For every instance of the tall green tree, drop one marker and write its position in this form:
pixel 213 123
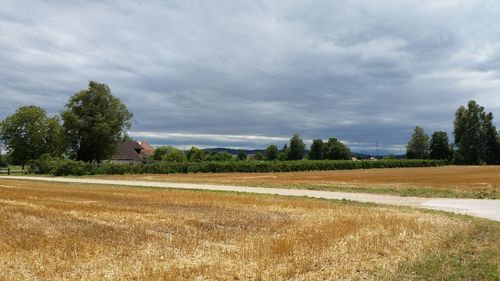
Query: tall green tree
pixel 30 133
pixel 336 150
pixel 475 136
pixel 272 152
pixel 418 145
pixel 316 152
pixel 439 146
pixel 297 148
pixel 94 122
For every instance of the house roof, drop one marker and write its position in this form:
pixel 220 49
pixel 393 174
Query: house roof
pixel 148 149
pixel 129 150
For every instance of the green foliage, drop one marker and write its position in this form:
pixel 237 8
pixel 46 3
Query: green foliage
pixel 195 155
pixel 3 161
pixel 336 150
pixel 418 146
pixel 241 156
pixel 94 122
pixel 475 136
pixel 219 156
pixel 70 167
pixel 29 133
pixel 297 148
pixel 283 155
pixel 169 154
pixel 259 156
pixel 439 146
pixel 272 152
pixel 316 152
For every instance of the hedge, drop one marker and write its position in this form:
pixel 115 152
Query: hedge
pixel 59 167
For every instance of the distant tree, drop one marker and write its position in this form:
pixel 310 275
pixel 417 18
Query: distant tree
pixel 316 152
pixel 439 146
pixel 297 148
pixel 160 152
pixel 258 156
pixel 29 133
pixel 475 136
pixel 195 155
pixel 242 155
pixel 94 122
pixel 220 156
pixel 492 146
pixel 418 145
pixel 283 155
pixel 272 152
pixel 169 154
pixel 336 150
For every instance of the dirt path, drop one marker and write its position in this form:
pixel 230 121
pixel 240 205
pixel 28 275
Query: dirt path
pixel 483 208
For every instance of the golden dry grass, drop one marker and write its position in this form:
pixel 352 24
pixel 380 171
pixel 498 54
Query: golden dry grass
pixel 68 232
pixel 448 181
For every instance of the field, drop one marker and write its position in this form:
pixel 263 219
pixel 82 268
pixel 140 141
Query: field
pixel 68 232
pixel 448 181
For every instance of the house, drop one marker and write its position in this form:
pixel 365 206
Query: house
pixel 132 151
pixel 147 149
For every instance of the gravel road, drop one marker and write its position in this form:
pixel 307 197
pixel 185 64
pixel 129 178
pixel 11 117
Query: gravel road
pixel 484 208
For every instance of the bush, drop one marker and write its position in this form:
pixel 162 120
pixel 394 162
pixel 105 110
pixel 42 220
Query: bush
pixel 60 167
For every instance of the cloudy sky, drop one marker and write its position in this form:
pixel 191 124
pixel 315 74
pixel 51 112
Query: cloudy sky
pixel 247 74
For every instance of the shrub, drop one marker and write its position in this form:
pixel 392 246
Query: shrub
pixel 60 167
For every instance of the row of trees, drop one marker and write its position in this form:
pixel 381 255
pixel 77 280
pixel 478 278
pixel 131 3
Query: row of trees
pixel 88 129
pixel 476 139
pixel 333 149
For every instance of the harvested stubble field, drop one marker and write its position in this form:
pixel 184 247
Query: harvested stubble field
pixel 447 181
pixel 70 231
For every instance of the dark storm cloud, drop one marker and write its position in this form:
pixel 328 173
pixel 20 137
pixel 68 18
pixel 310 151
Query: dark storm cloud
pixel 252 73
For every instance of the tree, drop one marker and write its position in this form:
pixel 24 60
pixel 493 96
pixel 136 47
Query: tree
pixel 169 154
pixel 418 145
pixel 195 154
pixel 297 148
pixel 258 156
pixel 283 155
pixel 316 152
pixel 439 147
pixel 242 155
pixel 272 152
pixel 492 146
pixel 475 136
pixel 336 150
pixel 94 122
pixel 220 156
pixel 29 133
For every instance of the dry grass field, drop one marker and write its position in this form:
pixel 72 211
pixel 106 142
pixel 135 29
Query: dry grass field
pixel 82 232
pixel 447 181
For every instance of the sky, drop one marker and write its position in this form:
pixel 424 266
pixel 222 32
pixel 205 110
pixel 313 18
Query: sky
pixel 247 74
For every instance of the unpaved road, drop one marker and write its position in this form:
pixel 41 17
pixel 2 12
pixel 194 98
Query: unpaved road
pixel 484 208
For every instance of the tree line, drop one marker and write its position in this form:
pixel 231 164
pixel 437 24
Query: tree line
pixel 333 149
pixel 476 139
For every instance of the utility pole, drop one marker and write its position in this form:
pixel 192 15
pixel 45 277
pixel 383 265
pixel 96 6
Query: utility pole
pixel 376 144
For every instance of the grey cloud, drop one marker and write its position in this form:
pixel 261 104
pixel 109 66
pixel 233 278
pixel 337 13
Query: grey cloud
pixel 363 71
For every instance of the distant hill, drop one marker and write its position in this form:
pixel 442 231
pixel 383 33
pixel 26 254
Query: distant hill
pixel 233 151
